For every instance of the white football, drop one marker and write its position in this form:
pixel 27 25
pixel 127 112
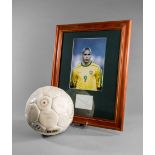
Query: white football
pixel 49 110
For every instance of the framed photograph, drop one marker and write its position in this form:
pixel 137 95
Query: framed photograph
pixel 90 63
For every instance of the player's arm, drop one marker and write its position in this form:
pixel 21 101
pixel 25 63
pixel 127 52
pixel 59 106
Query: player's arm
pixel 99 78
pixel 73 79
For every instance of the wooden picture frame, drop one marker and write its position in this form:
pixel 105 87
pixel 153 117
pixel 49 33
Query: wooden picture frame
pixel 123 30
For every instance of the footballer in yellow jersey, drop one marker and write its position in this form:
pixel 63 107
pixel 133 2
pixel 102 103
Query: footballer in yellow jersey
pixel 87 75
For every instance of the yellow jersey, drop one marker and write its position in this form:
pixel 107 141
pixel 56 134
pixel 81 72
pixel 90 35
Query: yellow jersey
pixel 88 77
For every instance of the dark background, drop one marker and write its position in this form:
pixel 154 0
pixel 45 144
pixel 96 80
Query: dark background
pixel 104 99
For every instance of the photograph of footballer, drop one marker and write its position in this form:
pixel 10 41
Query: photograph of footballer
pixel 87 67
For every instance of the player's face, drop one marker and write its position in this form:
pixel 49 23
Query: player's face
pixel 86 56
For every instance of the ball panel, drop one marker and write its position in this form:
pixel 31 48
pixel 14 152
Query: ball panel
pixel 64 121
pixel 60 104
pixel 48 119
pixel 32 113
pixel 44 103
